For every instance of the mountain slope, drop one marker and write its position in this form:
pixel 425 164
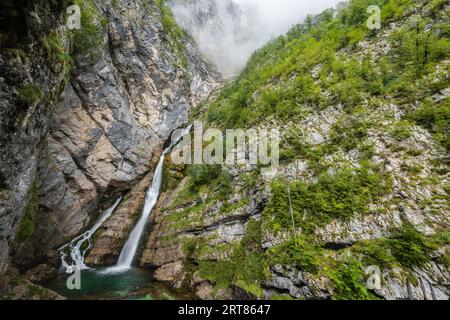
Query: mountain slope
pixel 364 175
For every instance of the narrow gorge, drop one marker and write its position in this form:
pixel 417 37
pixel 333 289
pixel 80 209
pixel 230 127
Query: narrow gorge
pixel 88 181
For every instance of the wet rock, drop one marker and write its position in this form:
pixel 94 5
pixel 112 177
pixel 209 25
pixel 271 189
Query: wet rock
pixel 110 238
pixel 42 273
pixel 14 286
pixel 205 291
pixel 173 272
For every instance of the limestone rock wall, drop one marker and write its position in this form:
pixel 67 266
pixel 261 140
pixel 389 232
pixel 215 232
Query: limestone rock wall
pixel 109 116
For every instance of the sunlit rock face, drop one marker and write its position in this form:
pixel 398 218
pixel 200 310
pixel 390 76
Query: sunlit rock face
pixel 222 30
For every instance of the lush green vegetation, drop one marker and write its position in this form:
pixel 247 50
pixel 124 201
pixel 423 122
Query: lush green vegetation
pixel 55 49
pixel 302 73
pixel 410 247
pixel 349 281
pixel 246 267
pixel 333 196
pixel 401 131
pixel 203 174
pixel 171 28
pixel 173 34
pixel 88 40
pixel 30 94
pixel 27 224
pixel 296 252
pixel 278 81
pixel 407 248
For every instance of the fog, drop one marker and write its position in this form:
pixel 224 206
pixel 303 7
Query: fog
pixel 277 16
pixel 227 32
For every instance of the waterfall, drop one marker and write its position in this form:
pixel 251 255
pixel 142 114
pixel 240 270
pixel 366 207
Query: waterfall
pixel 129 250
pixel 78 247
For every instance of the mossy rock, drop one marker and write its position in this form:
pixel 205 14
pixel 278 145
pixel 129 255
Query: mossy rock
pixel 30 94
pixel 28 221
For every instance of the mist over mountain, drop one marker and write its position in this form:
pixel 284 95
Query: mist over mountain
pixel 346 199
pixel 229 31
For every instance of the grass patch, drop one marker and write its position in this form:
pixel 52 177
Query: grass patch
pixel 334 196
pixel 349 281
pixel 30 94
pixel 54 47
pixel 28 221
pixel 88 40
pixel 402 131
pixel 295 252
pixel 246 267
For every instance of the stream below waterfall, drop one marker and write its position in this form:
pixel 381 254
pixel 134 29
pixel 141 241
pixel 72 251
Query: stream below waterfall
pixel 133 284
pixel 122 281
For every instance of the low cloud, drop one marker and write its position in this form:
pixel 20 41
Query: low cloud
pixel 229 31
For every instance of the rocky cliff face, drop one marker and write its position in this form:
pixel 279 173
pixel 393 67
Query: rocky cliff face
pixel 72 140
pixel 29 80
pixel 362 183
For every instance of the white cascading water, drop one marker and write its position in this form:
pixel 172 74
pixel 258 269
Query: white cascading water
pixel 129 250
pixel 75 248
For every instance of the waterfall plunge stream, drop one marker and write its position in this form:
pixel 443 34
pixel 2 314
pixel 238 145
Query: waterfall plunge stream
pixel 130 248
pixel 75 248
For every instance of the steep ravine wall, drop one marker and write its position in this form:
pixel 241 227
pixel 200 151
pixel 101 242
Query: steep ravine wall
pixel 368 182
pixel 29 81
pixel 72 140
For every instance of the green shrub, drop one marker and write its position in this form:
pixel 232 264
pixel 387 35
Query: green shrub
pixel 435 118
pixel 88 40
pixel 245 270
pixel 225 184
pixel 246 266
pixel 203 174
pixel 410 247
pixel 30 94
pixel 356 36
pixel 221 273
pixel 295 252
pixel 402 130
pixel 413 168
pixel 349 133
pixel 28 221
pixel 349 281
pixel 253 236
pixel 375 252
pixel 406 247
pixel 334 196
pixel 395 9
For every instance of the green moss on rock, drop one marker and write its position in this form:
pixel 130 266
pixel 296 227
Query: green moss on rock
pixel 30 94
pixel 28 221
